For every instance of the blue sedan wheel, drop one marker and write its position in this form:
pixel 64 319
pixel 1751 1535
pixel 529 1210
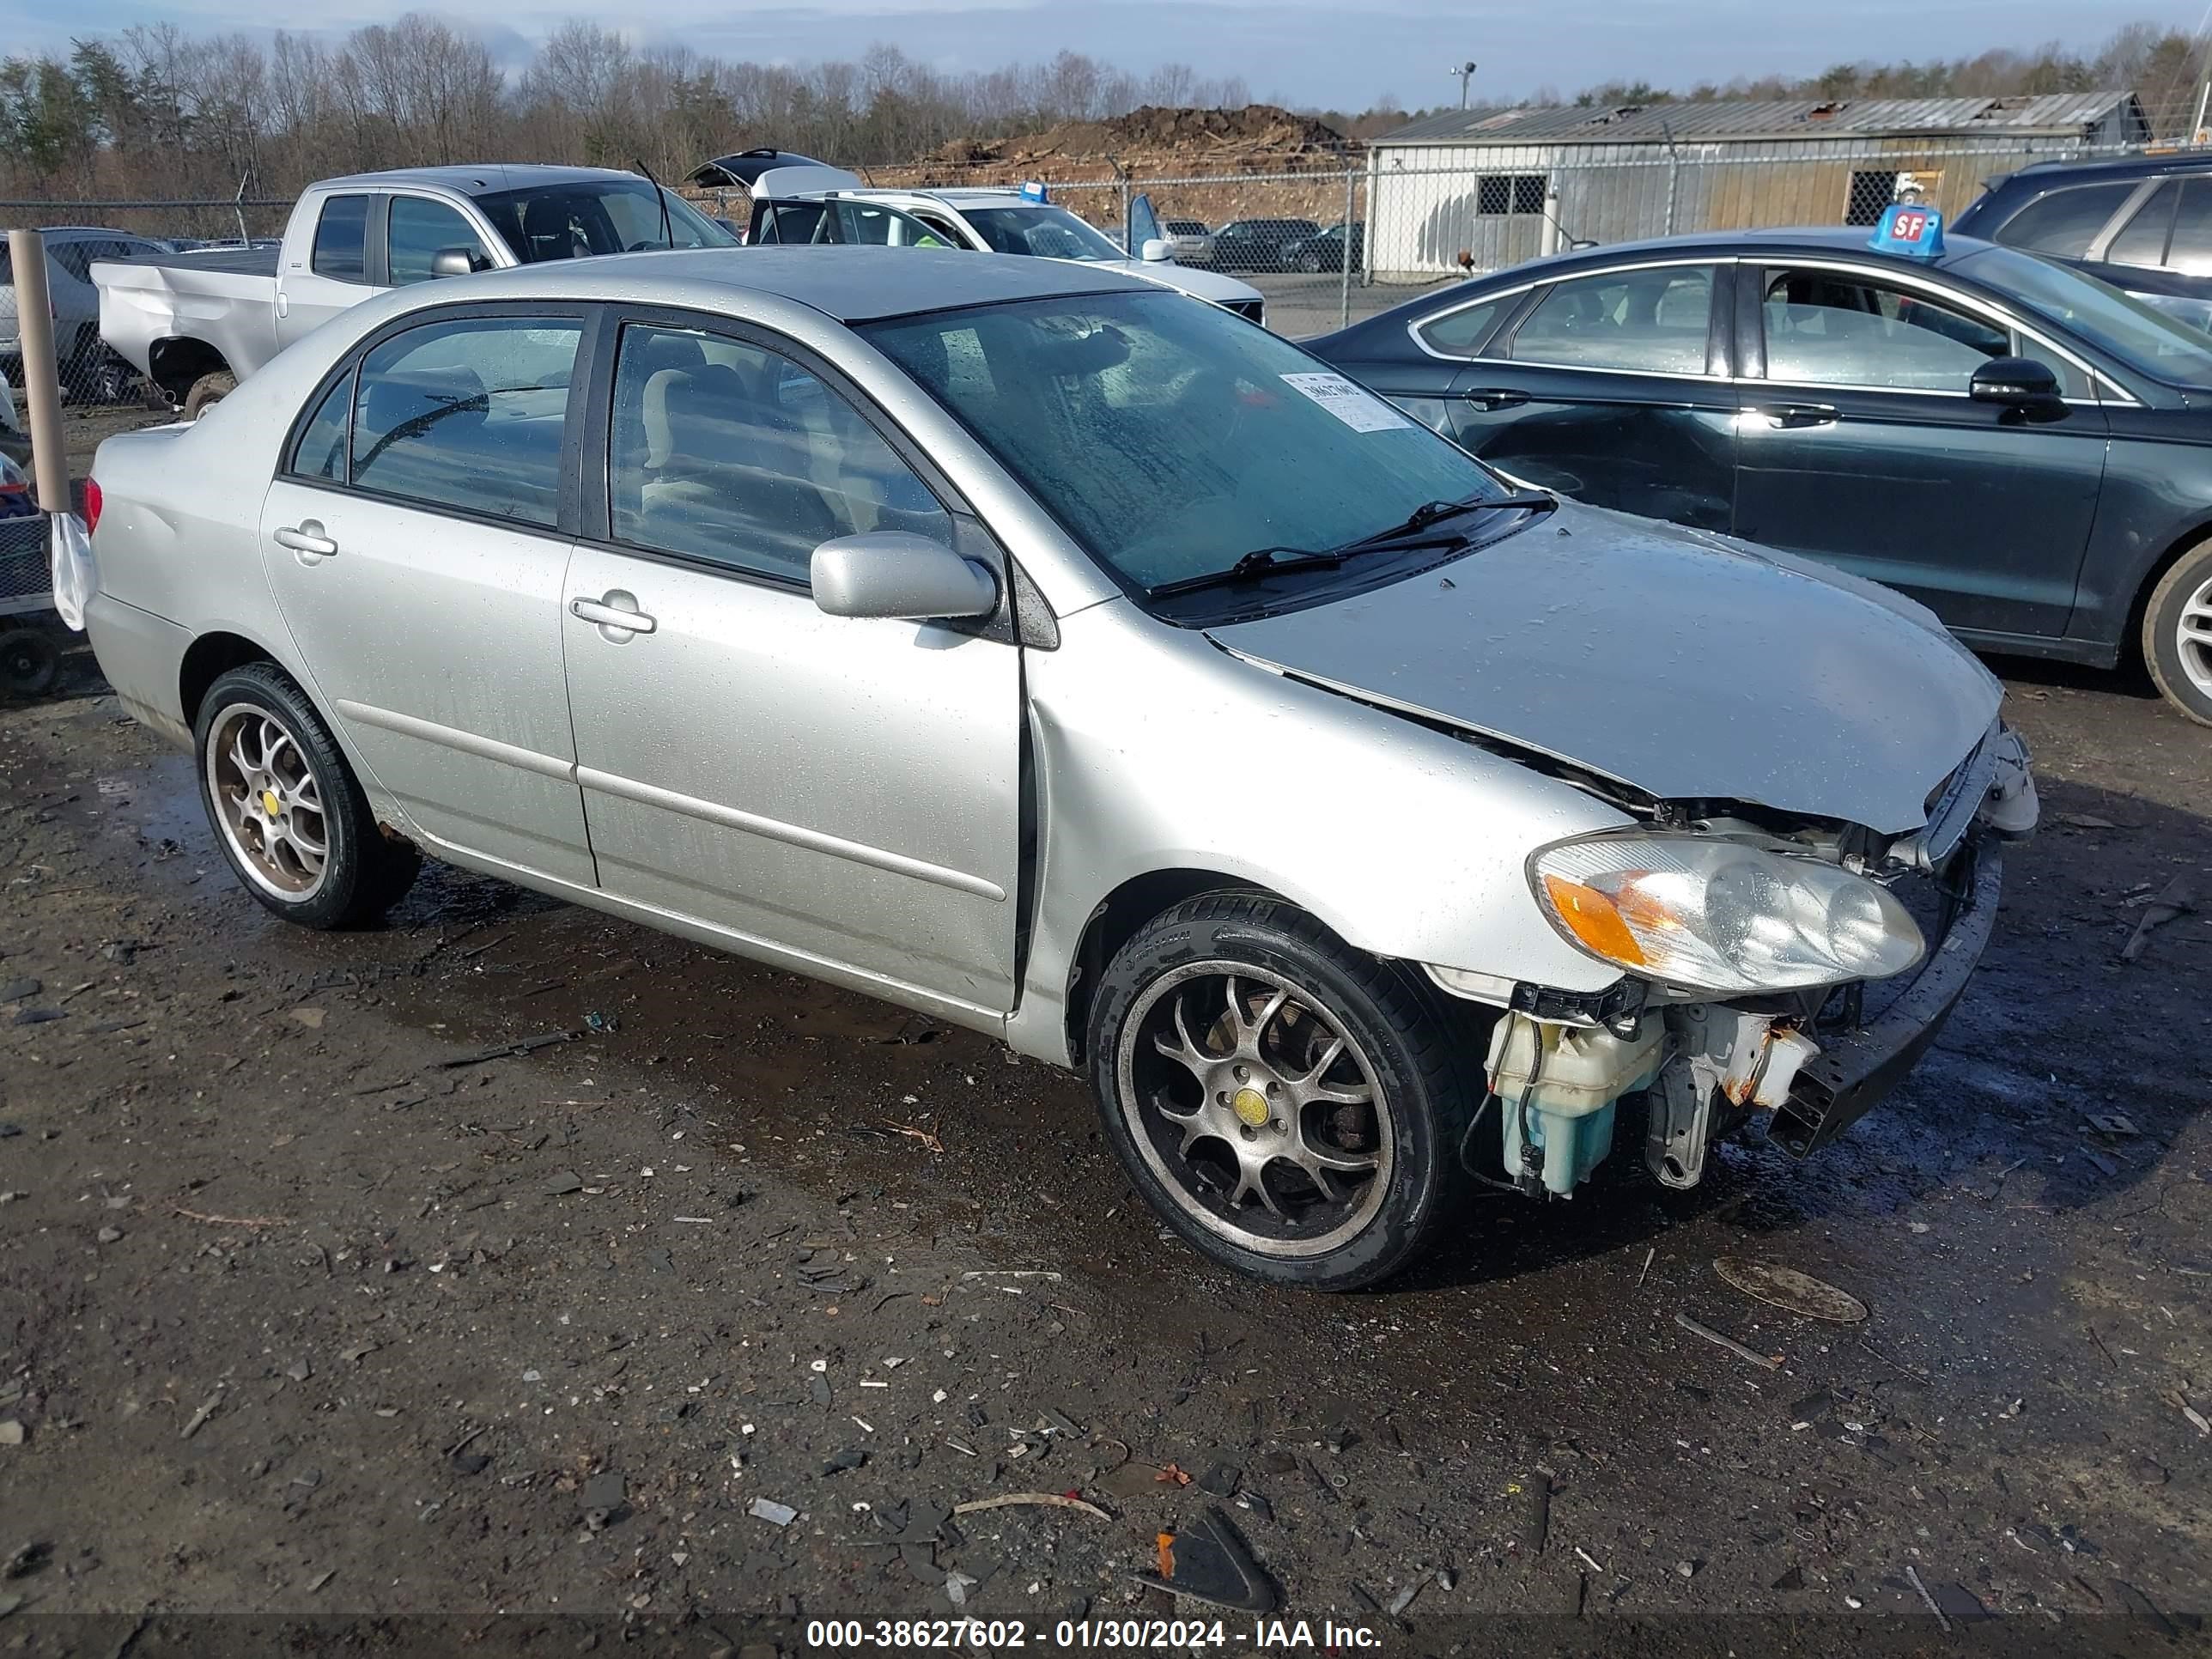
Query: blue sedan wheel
pixel 2176 636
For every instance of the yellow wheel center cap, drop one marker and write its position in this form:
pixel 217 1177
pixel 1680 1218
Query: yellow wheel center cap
pixel 270 804
pixel 1250 1107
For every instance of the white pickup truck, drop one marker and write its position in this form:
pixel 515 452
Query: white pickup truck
pixel 196 324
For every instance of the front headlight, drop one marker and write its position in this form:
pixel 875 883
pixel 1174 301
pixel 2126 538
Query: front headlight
pixel 1717 915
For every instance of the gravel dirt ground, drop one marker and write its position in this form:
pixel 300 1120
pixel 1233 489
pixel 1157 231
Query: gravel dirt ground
pixel 706 1320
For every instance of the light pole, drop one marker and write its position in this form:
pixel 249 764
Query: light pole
pixel 1466 73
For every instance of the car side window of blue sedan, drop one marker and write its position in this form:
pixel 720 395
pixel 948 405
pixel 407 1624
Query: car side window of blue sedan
pixel 1831 328
pixel 1653 321
pixel 723 451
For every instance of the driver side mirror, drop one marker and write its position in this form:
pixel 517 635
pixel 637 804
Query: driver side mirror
pixel 1155 249
pixel 897 574
pixel 452 262
pixel 2019 383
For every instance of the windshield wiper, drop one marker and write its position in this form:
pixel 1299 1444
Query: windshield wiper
pixel 1410 532
pixel 1260 562
pixel 1433 513
pixel 1407 534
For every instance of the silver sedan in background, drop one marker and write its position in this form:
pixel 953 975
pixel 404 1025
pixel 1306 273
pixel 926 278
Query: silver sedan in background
pixel 1025 645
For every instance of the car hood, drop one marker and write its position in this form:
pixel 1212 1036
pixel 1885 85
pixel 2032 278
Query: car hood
pixel 1201 285
pixel 1682 664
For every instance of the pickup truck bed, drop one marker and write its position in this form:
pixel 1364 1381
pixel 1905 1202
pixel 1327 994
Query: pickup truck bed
pixel 229 261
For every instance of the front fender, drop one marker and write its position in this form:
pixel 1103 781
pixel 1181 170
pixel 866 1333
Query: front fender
pixel 1153 750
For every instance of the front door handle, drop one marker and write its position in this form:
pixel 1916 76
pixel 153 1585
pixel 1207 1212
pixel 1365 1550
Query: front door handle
pixel 307 536
pixel 1488 398
pixel 1784 417
pixel 615 613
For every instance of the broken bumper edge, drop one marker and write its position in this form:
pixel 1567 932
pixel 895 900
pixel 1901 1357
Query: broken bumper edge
pixel 1854 1073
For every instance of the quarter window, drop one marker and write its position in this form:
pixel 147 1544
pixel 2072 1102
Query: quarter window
pixel 724 451
pixel 1825 328
pixel 2065 221
pixel 321 452
pixel 2190 250
pixel 468 415
pixel 421 230
pixel 1459 332
pixel 1652 322
pixel 342 240
pixel 2143 241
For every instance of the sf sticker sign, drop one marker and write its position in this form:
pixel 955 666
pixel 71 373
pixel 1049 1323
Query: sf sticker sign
pixel 1908 228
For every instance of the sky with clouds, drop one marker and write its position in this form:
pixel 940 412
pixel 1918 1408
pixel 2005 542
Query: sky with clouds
pixel 1344 54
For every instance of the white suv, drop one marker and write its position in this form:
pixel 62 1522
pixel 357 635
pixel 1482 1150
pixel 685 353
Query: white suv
pixel 827 204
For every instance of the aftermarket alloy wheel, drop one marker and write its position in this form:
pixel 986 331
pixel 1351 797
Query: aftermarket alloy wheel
pixel 286 809
pixel 2177 633
pixel 1290 1106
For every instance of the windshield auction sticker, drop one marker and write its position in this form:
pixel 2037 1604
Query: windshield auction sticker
pixel 1356 406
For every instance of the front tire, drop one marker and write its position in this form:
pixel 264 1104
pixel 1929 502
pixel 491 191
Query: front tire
pixel 2177 633
pixel 286 809
pixel 1292 1107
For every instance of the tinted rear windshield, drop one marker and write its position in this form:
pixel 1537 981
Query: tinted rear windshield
pixel 581 221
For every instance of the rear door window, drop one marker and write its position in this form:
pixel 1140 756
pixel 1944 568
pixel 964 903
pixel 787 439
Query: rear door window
pixel 342 240
pixel 469 414
pixel 1651 321
pixel 2065 221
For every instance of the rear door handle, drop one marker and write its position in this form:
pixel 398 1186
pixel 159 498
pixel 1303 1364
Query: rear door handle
pixel 1788 416
pixel 1495 396
pixel 613 614
pixel 307 536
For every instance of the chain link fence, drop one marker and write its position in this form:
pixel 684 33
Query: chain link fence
pixel 1326 238
pixel 101 393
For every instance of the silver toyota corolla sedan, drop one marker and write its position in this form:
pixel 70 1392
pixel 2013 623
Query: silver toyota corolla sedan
pixel 1030 646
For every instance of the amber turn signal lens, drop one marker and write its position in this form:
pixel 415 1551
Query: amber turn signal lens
pixel 1589 915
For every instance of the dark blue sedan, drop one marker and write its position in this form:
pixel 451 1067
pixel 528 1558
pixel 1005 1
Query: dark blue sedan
pixel 2022 448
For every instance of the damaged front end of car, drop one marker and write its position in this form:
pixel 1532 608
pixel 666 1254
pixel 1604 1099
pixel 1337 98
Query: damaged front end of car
pixel 1797 969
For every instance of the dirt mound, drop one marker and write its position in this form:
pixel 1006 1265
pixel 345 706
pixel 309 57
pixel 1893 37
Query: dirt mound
pixel 1261 126
pixel 1154 129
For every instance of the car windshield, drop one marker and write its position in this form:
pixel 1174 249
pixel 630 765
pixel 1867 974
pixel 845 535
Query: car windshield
pixel 1170 438
pixel 1050 233
pixel 579 221
pixel 2141 335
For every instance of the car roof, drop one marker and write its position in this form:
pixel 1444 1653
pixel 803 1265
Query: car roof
pixel 1787 239
pixel 484 179
pixel 851 284
pixel 2044 173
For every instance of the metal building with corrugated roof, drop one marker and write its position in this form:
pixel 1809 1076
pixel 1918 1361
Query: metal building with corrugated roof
pixel 1481 189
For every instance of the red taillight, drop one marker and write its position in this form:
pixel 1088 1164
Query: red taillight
pixel 91 505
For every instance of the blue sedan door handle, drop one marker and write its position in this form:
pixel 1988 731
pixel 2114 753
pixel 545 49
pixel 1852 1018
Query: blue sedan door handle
pixel 1787 417
pixel 1495 396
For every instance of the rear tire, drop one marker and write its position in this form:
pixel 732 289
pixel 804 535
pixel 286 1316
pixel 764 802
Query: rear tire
pixel 29 663
pixel 1292 1107
pixel 209 391
pixel 286 809
pixel 2177 633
